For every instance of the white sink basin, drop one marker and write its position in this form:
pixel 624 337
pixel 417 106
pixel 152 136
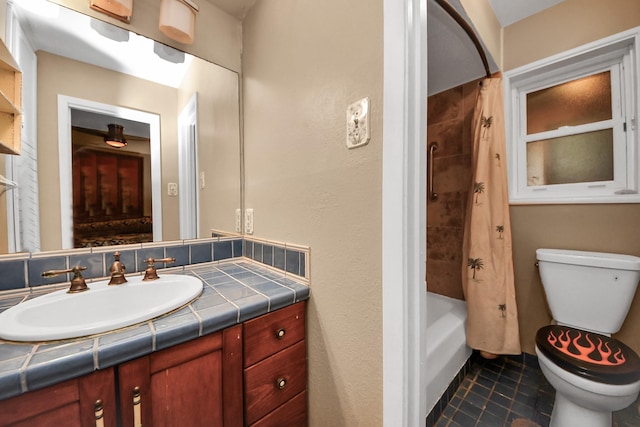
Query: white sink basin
pixel 103 308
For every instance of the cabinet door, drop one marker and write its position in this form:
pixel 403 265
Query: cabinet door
pixel 198 383
pixel 70 404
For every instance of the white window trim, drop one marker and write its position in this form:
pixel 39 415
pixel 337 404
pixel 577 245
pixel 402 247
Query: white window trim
pixel 587 59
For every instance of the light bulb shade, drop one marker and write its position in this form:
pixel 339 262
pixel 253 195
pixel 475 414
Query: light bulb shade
pixel 178 20
pixel 115 136
pixel 118 9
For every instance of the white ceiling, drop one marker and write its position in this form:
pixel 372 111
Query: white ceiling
pixel 510 11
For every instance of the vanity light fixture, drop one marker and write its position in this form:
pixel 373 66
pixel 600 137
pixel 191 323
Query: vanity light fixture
pixel 117 9
pixel 115 136
pixel 178 20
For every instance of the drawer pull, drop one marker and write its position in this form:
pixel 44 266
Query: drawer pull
pixel 98 411
pixel 280 333
pixel 281 383
pixel 137 403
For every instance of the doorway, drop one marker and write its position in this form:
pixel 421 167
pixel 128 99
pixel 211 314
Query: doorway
pixel 66 106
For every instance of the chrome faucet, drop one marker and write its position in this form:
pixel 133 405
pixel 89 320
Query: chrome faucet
pixel 150 273
pixel 77 282
pixel 117 271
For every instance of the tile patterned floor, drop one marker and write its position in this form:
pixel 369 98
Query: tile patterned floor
pixel 496 392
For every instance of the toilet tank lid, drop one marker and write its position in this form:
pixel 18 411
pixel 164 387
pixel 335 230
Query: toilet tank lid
pixel 593 259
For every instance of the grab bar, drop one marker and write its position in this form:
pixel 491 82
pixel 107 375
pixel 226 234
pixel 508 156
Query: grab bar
pixel 432 147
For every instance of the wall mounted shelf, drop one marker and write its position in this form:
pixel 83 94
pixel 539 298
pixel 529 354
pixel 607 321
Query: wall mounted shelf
pixel 10 103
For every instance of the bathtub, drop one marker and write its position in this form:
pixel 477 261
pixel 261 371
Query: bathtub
pixel 447 351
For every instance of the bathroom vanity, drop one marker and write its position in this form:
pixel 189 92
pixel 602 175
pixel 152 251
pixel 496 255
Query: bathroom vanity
pixel 252 372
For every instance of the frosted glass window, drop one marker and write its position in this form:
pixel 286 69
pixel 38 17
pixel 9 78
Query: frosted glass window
pixel 573 103
pixel 586 157
pixel 572 127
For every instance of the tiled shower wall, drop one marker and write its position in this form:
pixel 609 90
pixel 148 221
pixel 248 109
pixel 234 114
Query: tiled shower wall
pixel 449 116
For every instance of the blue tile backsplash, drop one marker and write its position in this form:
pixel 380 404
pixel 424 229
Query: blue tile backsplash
pixel 283 256
pixel 20 271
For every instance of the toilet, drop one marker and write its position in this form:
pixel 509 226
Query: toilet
pixel 589 294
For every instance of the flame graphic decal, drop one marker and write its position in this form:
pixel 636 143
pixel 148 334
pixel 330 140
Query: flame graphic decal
pixel 601 354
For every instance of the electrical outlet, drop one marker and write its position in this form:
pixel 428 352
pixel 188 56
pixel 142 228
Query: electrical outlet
pixel 358 123
pixel 201 180
pixel 248 221
pixel 238 220
pixel 172 189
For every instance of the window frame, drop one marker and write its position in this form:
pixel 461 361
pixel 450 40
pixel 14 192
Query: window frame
pixel 620 55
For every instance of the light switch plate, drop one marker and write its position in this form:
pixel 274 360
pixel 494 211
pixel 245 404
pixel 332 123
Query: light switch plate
pixel 238 220
pixel 358 123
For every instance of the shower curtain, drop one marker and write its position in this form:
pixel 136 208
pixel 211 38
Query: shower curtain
pixel 487 270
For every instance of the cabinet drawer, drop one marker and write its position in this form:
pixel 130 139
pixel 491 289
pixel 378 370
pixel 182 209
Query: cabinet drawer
pixel 291 414
pixel 270 383
pixel 268 334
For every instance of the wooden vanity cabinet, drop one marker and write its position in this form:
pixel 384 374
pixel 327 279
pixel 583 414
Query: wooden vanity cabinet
pixel 249 374
pixel 198 383
pixel 275 369
pixel 71 404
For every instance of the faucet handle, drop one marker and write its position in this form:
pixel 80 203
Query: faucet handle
pixel 117 270
pixel 150 273
pixel 78 283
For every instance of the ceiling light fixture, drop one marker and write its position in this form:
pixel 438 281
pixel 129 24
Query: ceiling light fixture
pixel 115 136
pixel 178 20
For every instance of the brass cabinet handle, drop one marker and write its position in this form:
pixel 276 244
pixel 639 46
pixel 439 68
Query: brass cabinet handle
pixel 281 383
pixel 137 407
pixel 98 411
pixel 280 333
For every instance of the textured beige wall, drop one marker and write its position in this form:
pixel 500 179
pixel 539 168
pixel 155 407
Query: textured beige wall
pixel 564 26
pixel 79 80
pixel 304 62
pixel 596 227
pixel 218 35
pixel 487 25
pixel 601 227
pixel 218 143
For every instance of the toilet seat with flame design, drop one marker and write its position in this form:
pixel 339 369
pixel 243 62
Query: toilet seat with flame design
pixel 592 356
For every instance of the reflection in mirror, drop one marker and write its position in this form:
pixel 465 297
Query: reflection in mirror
pixel 63 63
pixel 111 184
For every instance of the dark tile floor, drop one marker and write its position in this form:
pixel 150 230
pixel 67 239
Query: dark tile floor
pixel 496 392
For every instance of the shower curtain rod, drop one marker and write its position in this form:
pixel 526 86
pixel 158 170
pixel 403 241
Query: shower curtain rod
pixel 467 28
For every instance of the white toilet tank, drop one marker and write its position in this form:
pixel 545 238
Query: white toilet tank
pixel 589 290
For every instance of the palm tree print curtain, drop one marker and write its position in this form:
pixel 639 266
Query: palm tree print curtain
pixel 487 270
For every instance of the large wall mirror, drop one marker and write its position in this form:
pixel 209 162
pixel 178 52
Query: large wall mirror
pixel 179 175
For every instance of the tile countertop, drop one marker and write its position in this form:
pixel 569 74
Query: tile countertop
pixel 233 292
